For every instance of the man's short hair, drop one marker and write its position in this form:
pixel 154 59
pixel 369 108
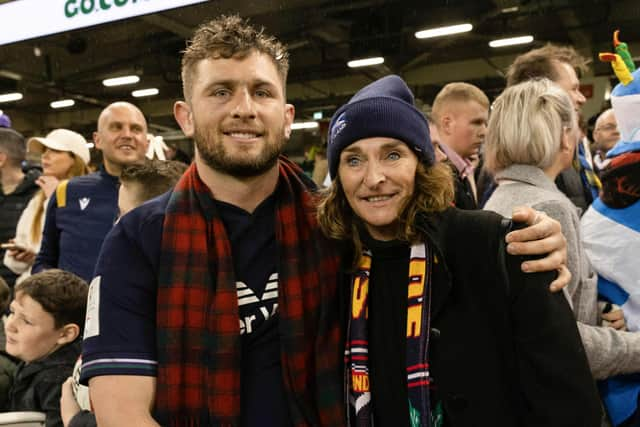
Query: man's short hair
pixel 457 92
pixel 60 293
pixel 12 143
pixel 540 63
pixel 526 125
pixel 154 176
pixel 230 37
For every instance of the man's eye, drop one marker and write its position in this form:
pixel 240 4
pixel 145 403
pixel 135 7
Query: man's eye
pixel 262 93
pixel 393 156
pixel 221 92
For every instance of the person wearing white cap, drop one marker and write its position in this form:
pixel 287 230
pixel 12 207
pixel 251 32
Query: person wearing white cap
pixel 79 216
pixel 64 155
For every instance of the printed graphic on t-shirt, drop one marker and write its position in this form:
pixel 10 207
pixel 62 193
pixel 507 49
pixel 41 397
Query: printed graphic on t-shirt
pixel 92 319
pixel 254 309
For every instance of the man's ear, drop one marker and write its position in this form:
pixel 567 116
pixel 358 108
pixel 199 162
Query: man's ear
pixel 68 333
pixel 289 115
pixel 184 117
pixel 96 140
pixel 446 124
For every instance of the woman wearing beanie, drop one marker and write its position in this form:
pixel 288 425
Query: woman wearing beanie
pixel 64 155
pixel 443 329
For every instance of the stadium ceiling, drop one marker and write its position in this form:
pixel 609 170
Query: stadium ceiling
pixel 322 35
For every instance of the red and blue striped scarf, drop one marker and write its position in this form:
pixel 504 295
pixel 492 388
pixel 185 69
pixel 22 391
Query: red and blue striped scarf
pixel 198 332
pixel 418 332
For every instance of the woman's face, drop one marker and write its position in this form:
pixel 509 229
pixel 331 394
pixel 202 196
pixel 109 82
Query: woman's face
pixel 56 163
pixel 378 177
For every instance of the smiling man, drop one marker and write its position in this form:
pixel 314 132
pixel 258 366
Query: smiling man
pixel 224 288
pixel 82 210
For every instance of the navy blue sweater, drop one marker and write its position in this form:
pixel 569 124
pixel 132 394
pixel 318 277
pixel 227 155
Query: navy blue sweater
pixel 73 234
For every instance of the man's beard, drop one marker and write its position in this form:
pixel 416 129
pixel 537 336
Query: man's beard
pixel 212 151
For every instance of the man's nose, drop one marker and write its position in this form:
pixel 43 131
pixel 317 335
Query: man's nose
pixel 244 105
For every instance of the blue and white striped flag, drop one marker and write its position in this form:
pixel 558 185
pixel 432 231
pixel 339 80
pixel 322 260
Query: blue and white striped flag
pixel 611 239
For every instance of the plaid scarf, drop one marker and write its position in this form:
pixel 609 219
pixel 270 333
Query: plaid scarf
pixel 198 333
pixel 418 333
pixel 621 180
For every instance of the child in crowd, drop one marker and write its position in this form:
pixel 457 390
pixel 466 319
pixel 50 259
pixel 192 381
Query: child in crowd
pixel 43 331
pixel 144 181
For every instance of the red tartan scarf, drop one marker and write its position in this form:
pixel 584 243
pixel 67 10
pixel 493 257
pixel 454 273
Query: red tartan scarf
pixel 198 332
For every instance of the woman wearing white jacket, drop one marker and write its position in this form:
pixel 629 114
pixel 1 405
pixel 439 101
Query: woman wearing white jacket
pixel 64 155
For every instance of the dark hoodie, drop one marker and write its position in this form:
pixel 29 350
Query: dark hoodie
pixel 11 207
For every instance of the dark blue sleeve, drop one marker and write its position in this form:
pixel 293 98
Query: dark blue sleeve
pixel 49 248
pixel 119 337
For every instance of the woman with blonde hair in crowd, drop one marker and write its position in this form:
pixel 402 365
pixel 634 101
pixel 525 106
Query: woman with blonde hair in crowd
pixel 64 155
pixel 442 326
pixel 531 138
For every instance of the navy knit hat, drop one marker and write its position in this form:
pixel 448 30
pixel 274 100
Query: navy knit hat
pixel 384 108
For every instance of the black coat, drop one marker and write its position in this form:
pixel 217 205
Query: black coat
pixel 505 351
pixel 37 385
pixel 464 198
pixel 11 207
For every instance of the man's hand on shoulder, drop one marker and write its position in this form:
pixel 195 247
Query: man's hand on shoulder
pixel 542 236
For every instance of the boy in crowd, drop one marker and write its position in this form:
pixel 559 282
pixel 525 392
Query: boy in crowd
pixel 43 329
pixel 144 181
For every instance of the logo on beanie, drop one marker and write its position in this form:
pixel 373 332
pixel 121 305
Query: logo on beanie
pixel 340 124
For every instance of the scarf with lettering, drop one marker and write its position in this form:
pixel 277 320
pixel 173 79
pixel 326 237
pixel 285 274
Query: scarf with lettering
pixel 198 332
pixel 418 331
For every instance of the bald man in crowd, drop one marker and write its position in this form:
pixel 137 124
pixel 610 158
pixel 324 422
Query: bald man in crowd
pixel 83 210
pixel 605 136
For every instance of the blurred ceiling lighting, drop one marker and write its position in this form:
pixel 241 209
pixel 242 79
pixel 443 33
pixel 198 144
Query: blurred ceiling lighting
pixel 8 97
pixel 365 62
pixel 63 103
pixel 145 92
pixel 118 81
pixel 511 41
pixel 10 75
pixel 510 9
pixel 304 125
pixel 444 31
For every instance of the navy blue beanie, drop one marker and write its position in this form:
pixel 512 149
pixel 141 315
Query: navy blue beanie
pixel 383 108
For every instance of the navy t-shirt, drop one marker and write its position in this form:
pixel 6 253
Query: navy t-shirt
pixel 254 252
pixel 121 310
